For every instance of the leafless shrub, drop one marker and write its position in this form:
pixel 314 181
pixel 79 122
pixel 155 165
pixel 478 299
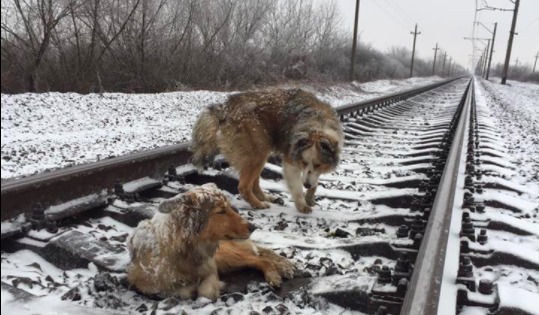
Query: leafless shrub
pixel 163 45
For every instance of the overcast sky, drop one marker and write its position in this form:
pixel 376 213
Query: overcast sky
pixel 384 23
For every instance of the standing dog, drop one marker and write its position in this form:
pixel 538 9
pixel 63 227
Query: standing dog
pixel 305 131
pixel 181 249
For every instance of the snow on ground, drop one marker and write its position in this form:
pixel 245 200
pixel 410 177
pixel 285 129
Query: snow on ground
pixel 54 130
pixel 515 109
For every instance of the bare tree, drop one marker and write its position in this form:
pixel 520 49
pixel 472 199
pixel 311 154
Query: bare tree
pixel 158 45
pixel 36 20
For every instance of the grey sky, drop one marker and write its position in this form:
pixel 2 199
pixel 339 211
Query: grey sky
pixel 384 23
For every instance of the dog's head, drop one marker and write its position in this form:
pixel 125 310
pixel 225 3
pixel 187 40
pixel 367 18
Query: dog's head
pixel 204 214
pixel 315 153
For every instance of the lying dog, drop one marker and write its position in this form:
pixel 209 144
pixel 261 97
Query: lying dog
pixel 306 132
pixel 181 249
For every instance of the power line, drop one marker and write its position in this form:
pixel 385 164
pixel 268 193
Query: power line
pixel 400 12
pixel 528 25
pixel 403 11
pixel 391 15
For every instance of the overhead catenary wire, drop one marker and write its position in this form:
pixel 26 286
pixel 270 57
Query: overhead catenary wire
pixel 393 17
pixel 400 11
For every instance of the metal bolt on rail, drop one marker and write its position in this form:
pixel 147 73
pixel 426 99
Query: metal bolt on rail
pixel 402 286
pixel 384 275
pixel 417 240
pixel 467 229
pixel 464 247
pixel 482 237
pixel 38 216
pixel 485 286
pixel 403 231
pixel 465 273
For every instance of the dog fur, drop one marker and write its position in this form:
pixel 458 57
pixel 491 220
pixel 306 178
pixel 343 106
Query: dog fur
pixel 181 249
pixel 305 131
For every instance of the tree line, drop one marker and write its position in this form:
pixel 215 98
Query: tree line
pixel 164 45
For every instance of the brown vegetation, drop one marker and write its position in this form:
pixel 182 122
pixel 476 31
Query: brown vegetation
pixel 163 45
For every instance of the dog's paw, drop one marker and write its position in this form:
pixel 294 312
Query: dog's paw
pixel 286 269
pixel 310 201
pixel 273 278
pixel 261 205
pixel 186 292
pixel 212 292
pixel 210 287
pixel 305 209
pixel 277 200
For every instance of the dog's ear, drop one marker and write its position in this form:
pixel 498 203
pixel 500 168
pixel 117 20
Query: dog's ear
pixel 300 144
pixel 328 152
pixel 167 206
pixel 192 220
pixel 191 209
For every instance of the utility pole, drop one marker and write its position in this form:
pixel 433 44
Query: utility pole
pixel 491 49
pixel 415 33
pixel 510 44
pixel 478 67
pixel 353 60
pixel 449 66
pixel 535 64
pixel 443 65
pixel 434 62
pixel 486 59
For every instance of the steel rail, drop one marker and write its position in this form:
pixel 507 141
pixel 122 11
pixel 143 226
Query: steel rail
pixel 59 186
pixel 425 284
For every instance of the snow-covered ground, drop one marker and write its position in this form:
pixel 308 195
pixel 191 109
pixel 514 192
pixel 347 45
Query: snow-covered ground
pixel 514 110
pixel 508 117
pixel 55 130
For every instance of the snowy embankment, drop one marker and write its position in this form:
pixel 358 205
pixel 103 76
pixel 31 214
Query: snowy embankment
pixel 54 130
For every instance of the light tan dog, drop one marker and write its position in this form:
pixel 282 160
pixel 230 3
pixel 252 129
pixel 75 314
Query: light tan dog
pixel 174 253
pixel 305 131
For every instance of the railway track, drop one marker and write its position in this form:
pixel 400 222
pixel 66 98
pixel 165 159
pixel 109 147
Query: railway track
pixel 421 217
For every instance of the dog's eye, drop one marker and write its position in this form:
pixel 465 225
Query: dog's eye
pixel 303 143
pixel 222 211
pixel 325 146
pixel 317 166
pixel 304 163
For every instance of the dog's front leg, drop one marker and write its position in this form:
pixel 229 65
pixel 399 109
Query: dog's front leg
pixel 292 176
pixel 210 287
pixel 309 196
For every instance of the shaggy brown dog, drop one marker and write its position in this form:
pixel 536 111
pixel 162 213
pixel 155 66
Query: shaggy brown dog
pixel 173 253
pixel 305 131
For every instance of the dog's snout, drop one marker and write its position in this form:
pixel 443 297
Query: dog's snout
pixel 307 185
pixel 252 227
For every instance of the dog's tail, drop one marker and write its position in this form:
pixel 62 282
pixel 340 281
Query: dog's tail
pixel 204 141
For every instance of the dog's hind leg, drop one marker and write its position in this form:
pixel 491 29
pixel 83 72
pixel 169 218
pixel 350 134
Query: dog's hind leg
pixel 248 176
pixel 261 195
